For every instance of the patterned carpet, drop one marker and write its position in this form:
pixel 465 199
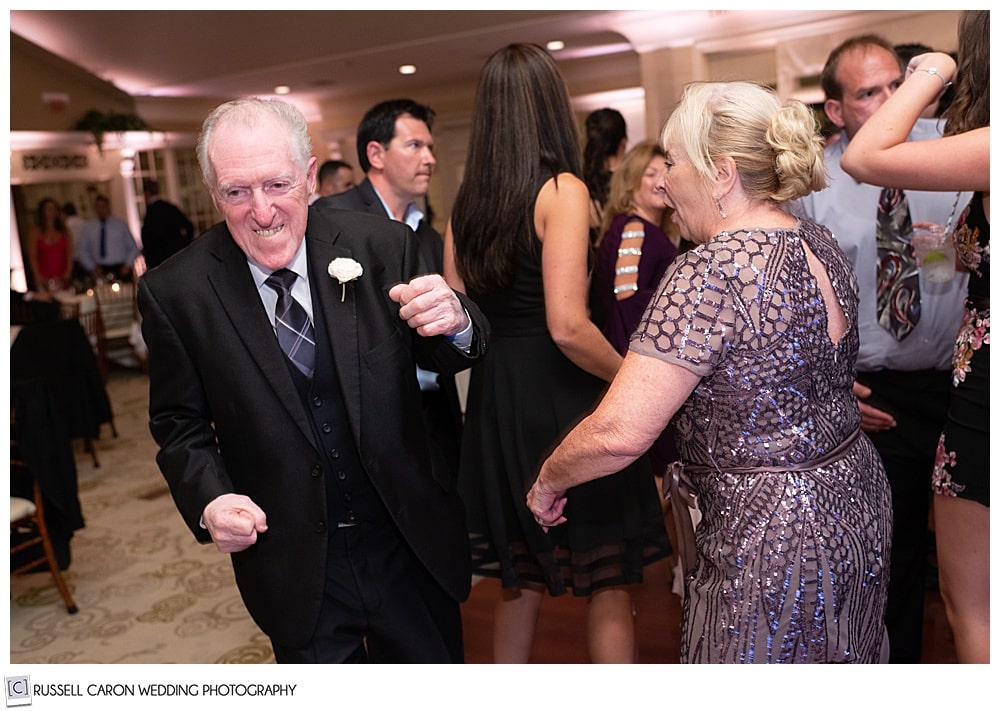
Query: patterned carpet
pixel 147 591
pixel 149 594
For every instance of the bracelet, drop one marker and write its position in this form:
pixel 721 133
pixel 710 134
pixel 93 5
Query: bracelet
pixel 935 72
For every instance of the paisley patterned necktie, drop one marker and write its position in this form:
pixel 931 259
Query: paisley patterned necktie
pixel 897 284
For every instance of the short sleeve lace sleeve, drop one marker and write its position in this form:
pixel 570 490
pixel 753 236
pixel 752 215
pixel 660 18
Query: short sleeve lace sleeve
pixel 691 317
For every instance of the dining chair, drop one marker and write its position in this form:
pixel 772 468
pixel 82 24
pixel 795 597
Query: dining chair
pixel 29 531
pixel 117 313
pixel 89 318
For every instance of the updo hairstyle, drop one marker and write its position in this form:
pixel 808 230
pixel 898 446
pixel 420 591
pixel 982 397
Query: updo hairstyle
pixel 777 148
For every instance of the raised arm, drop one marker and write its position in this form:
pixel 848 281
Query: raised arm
pixel 879 153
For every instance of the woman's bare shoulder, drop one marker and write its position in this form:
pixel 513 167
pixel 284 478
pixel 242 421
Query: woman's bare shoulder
pixel 564 186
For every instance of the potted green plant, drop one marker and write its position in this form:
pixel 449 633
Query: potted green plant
pixel 98 123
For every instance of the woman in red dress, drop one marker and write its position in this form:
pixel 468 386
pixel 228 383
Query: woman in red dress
pixel 50 249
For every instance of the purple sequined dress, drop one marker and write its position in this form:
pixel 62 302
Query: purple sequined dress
pixel 792 563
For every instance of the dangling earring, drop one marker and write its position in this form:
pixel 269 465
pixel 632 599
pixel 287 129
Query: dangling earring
pixel 718 204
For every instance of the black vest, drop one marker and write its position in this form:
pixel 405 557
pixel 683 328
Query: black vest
pixel 350 495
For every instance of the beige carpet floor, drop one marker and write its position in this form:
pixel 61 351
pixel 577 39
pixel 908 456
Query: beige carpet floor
pixel 147 591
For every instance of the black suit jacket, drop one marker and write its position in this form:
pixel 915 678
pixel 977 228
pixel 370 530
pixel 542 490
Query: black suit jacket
pixel 444 416
pixel 363 198
pixel 226 414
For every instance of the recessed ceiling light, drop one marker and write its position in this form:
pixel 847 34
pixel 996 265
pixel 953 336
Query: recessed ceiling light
pixel 555 45
pixel 407 69
pixel 283 89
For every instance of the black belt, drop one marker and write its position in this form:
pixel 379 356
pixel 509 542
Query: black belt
pixel 684 497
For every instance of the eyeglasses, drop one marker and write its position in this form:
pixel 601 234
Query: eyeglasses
pixel 240 194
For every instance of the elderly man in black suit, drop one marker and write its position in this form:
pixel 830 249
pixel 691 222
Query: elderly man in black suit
pixel 284 399
pixel 396 152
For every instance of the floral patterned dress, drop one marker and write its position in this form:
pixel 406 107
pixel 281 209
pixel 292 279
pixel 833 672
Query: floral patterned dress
pixel 962 465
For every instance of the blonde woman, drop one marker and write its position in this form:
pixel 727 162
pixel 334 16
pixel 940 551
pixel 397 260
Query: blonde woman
pixel 751 340
pixel 633 253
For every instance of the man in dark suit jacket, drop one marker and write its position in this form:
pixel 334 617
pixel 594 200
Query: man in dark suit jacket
pixel 314 473
pixel 165 229
pixel 395 150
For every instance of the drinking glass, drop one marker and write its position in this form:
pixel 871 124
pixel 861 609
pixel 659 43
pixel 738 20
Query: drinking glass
pixel 934 251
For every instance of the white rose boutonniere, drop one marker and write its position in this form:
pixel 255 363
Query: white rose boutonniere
pixel 344 269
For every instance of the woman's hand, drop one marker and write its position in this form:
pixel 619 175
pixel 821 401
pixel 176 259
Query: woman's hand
pixel 547 506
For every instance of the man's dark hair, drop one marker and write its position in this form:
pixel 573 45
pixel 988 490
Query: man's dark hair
pixel 379 124
pixel 330 168
pixel 908 51
pixel 828 78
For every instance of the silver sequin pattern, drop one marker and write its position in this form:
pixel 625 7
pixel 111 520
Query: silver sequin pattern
pixel 792 566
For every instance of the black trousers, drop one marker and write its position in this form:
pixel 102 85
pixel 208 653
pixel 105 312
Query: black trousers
pixel 919 401
pixel 380 606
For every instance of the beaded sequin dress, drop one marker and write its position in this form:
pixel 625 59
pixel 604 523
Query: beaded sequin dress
pixel 791 562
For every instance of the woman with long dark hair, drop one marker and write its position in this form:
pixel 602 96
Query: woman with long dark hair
pixel 518 244
pixel 607 138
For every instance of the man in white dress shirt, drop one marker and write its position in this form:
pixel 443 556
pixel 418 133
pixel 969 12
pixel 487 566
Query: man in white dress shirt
pixel 902 381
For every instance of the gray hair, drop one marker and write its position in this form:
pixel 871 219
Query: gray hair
pixel 250 111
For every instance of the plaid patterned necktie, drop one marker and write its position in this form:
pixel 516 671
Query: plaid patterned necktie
pixel 292 324
pixel 897 282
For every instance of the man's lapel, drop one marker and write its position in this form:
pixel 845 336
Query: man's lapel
pixel 370 198
pixel 337 307
pixel 238 296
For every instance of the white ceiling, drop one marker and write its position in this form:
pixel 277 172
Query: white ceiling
pixel 326 54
